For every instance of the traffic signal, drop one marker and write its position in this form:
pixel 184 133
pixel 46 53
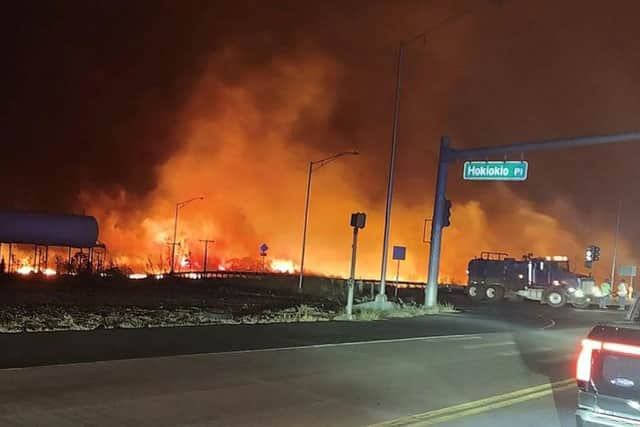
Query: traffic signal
pixel 589 254
pixel 596 253
pixel 446 220
pixel 358 219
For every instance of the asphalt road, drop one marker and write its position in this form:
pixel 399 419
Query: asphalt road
pixel 502 365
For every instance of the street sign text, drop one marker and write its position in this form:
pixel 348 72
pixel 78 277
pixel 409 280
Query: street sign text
pixel 495 171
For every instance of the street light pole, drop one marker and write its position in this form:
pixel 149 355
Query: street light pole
pixel 392 166
pixel 314 165
pixel 179 206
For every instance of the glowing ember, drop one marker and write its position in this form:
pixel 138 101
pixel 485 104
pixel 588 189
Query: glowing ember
pixel 283 266
pixel 25 270
pixel 49 272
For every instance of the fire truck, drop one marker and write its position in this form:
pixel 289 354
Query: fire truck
pixel 494 275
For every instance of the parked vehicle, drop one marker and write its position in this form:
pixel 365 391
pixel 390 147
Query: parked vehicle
pixel 608 374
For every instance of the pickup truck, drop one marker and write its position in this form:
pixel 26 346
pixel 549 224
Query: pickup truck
pixel 608 374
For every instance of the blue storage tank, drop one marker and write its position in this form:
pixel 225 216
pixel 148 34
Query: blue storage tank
pixel 76 231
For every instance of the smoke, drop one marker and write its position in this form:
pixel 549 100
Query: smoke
pixel 231 102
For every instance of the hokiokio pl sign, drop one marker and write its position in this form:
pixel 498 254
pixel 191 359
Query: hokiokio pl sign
pixel 495 171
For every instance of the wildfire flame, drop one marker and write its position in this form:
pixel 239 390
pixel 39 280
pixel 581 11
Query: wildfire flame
pixel 283 266
pixel 26 270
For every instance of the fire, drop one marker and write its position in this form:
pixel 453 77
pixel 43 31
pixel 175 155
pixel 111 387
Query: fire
pixel 25 270
pixel 283 266
pixel 240 147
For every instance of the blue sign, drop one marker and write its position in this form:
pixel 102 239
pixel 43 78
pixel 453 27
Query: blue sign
pixel 399 252
pixel 263 249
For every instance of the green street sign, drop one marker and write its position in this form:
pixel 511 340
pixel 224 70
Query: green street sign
pixel 495 171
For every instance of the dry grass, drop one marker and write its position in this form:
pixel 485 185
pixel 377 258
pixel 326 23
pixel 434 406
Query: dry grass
pixel 399 311
pixel 72 318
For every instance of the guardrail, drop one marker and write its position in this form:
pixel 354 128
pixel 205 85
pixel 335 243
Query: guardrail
pixel 258 275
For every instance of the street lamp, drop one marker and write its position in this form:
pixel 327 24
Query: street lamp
pixel 179 206
pixel 392 166
pixel 314 165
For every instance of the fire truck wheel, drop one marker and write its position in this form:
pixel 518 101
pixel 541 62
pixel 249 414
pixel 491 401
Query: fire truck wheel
pixel 494 293
pixel 475 292
pixel 555 297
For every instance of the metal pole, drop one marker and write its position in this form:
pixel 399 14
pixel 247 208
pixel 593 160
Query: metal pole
pixel 392 168
pixel 304 225
pixel 397 278
pixel 550 144
pixel 352 274
pixel 615 242
pixel 206 253
pixel 206 250
pixel 431 290
pixel 173 243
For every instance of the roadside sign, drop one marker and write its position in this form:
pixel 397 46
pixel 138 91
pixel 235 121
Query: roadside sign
pixel 263 249
pixel 627 271
pixel 399 252
pixel 495 171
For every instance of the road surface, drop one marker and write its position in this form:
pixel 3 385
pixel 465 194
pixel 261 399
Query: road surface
pixel 500 365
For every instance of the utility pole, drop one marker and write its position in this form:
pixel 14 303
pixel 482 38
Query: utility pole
pixel 206 253
pixel 449 155
pixel 615 242
pixel 382 296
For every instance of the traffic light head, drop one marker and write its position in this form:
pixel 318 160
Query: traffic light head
pixel 358 219
pixel 596 253
pixel 446 220
pixel 589 254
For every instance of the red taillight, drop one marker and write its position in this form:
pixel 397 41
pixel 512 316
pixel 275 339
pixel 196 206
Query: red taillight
pixel 583 370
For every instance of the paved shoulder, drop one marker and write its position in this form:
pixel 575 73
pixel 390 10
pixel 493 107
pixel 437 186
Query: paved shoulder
pixel 34 349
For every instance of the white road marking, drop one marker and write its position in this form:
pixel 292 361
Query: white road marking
pixel 518 353
pixel 458 337
pixel 353 343
pixel 551 324
pixel 487 345
pixel 467 338
pixel 508 353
